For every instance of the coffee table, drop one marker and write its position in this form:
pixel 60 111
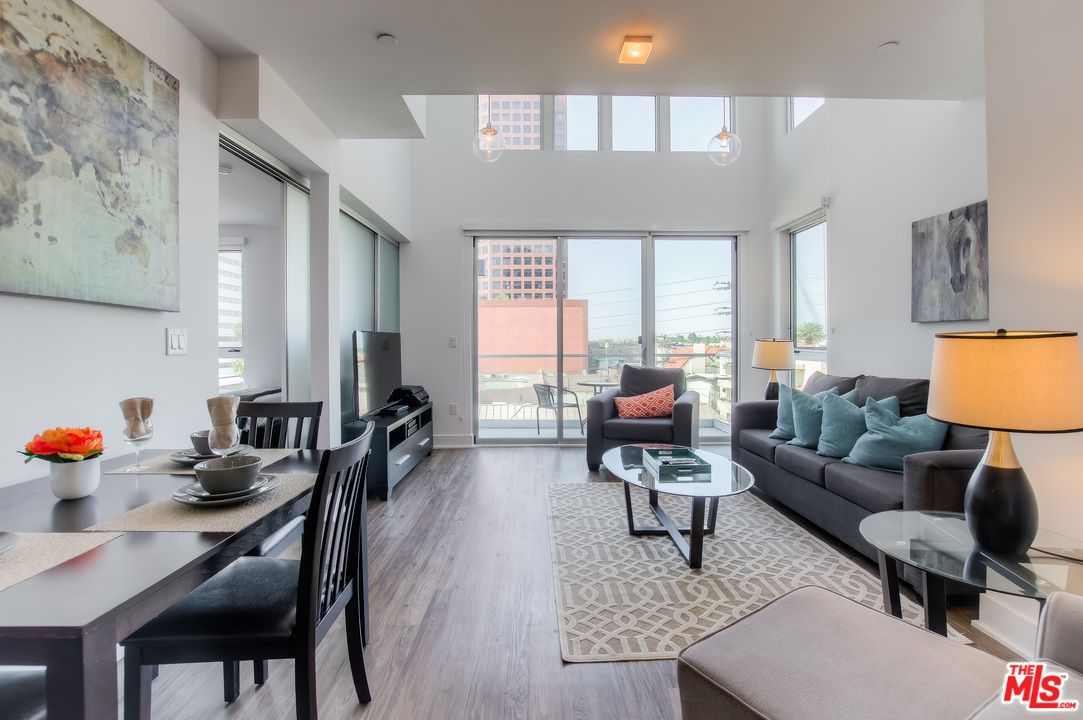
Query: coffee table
pixel 940 545
pixel 726 478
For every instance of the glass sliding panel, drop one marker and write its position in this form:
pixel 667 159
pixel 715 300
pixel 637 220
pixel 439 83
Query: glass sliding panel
pixel 809 252
pixel 298 297
pixel 230 311
pixel 575 122
pixel 603 319
pixel 357 295
pixel 693 121
pixel 517 338
pixel 633 123
pixel 388 306
pixel 801 108
pixel 517 117
pixel 693 326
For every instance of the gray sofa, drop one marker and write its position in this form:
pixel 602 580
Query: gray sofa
pixel 813 654
pixel 837 496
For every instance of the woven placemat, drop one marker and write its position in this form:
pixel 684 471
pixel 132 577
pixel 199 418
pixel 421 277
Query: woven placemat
pixel 162 465
pixel 37 552
pixel 168 515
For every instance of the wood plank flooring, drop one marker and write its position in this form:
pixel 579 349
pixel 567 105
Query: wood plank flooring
pixel 462 612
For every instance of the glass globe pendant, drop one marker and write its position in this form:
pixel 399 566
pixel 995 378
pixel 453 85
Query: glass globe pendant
pixel 724 148
pixel 488 143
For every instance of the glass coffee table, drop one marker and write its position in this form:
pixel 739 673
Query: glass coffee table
pixel 940 545
pixel 724 478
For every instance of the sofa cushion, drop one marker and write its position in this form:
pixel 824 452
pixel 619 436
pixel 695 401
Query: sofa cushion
pixel 913 393
pixel 639 430
pixel 808 415
pixel 890 438
pixel 760 442
pixel 784 425
pixel 874 490
pixel 844 423
pixel 966 438
pixel 803 462
pixel 818 382
pixel 639 379
pixel 658 403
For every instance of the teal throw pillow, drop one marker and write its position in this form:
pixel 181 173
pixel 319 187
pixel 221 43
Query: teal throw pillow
pixel 844 423
pixel 890 438
pixel 808 415
pixel 784 424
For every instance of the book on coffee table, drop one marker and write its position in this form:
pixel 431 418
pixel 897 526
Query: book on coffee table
pixel 675 465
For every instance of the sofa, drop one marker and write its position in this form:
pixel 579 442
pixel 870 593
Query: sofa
pixel 813 654
pixel 837 496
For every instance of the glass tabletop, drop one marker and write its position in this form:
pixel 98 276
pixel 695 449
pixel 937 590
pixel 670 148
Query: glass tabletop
pixel 723 477
pixel 941 543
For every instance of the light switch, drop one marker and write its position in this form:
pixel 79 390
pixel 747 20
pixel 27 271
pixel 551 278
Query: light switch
pixel 176 341
pixel 452 341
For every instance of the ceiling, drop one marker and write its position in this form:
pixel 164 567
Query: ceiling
pixel 326 50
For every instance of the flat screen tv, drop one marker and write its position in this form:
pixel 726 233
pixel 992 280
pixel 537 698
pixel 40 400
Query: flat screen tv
pixel 378 371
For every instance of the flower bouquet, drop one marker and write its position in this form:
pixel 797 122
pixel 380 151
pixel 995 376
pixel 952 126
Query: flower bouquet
pixel 74 455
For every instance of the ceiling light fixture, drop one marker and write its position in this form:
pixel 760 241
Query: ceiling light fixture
pixel 725 147
pixel 387 39
pixel 635 50
pixel 488 142
pixel 888 48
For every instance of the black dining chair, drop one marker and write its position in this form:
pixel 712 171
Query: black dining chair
pixel 265 608
pixel 547 400
pixel 22 692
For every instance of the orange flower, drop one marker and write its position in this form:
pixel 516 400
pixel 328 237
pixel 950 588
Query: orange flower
pixel 72 444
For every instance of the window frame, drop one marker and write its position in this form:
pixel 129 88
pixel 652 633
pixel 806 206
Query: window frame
pixel 790 233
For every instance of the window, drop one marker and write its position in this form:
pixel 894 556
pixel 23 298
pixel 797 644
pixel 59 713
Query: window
pixel 507 248
pixel 548 249
pixel 528 260
pixel 517 285
pixel 517 260
pixel 230 328
pixel 808 258
pixel 496 260
pixel 517 296
pixel 537 296
pixel 537 272
pixel 516 273
pixel 496 273
pixel 485 286
pixel 537 284
pixel 518 137
pixel 538 249
pixel 548 271
pixel 801 108
pixel 693 121
pixel 633 123
pixel 516 128
pixel 548 284
pixel 548 296
pixel 576 119
pixel 516 117
pixel 548 261
pixel 507 273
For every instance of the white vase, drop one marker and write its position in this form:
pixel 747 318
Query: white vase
pixel 72 480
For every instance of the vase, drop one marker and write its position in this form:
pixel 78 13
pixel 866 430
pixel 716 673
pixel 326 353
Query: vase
pixel 73 480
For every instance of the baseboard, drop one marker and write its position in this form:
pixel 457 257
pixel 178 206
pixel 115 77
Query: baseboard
pixel 1012 621
pixel 448 442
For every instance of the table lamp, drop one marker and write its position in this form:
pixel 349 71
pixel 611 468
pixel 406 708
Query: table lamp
pixel 1005 382
pixel 772 354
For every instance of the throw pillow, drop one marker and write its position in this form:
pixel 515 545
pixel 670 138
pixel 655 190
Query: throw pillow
pixel 890 438
pixel 844 423
pixel 808 414
pixel 784 424
pixel 658 403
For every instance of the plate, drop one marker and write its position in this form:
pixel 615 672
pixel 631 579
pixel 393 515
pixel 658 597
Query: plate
pixel 196 490
pixel 184 498
pixel 191 457
pixel 7 541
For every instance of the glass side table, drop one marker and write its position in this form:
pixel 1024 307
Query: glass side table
pixel 939 544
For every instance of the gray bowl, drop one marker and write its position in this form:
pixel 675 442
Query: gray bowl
pixel 229 474
pixel 201 443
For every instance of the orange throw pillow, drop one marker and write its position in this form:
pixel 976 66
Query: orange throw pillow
pixel 653 404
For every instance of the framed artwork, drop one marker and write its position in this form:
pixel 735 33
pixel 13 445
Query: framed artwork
pixel 88 162
pixel 950 266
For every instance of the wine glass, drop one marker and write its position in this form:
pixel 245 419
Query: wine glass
pixel 137 435
pixel 224 439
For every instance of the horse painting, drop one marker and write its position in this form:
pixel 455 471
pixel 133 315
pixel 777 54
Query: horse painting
pixel 951 266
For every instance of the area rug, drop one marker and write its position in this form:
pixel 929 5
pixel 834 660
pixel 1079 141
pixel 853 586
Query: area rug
pixel 620 597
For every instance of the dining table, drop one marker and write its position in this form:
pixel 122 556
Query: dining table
pixel 130 563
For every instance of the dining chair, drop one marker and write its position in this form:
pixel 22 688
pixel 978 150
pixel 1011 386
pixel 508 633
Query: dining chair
pixel 22 690
pixel 262 608
pixel 547 400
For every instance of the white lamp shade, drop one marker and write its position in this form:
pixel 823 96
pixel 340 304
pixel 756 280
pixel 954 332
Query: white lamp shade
pixel 773 354
pixel 1019 381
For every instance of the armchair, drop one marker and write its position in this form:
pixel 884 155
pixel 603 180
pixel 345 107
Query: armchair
pixel 606 430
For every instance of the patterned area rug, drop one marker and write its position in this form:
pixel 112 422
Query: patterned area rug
pixel 634 598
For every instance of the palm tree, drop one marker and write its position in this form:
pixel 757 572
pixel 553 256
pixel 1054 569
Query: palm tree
pixel 810 334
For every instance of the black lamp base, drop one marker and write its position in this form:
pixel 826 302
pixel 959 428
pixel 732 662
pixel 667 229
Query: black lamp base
pixel 1001 510
pixel 772 391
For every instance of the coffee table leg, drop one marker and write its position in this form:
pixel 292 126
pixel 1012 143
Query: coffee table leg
pixel 889 580
pixel 695 535
pixel 712 516
pixel 628 507
pixel 936 603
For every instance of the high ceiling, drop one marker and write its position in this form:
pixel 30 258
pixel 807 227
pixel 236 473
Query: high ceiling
pixel 326 50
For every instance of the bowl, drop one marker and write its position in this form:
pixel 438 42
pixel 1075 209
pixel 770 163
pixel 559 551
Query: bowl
pixel 201 443
pixel 229 474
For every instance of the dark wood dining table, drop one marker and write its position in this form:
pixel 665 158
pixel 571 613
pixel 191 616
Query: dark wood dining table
pixel 69 618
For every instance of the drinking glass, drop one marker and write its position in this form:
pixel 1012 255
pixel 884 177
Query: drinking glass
pixel 138 442
pixel 217 440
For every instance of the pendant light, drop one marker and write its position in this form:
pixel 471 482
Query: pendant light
pixel 725 147
pixel 488 142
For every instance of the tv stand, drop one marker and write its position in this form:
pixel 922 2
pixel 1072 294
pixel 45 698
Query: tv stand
pixel 399 442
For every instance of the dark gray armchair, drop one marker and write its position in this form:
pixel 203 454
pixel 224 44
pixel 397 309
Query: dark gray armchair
pixel 605 429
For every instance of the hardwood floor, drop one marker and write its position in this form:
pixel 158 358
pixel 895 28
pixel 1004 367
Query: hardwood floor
pixel 463 616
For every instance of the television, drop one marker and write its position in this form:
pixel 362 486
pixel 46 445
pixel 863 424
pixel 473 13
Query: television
pixel 378 370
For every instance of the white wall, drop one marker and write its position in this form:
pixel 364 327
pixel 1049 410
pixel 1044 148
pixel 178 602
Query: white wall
pixel 560 191
pixel 378 173
pixel 67 363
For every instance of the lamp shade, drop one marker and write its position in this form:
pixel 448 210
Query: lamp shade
pixel 1019 381
pixel 773 354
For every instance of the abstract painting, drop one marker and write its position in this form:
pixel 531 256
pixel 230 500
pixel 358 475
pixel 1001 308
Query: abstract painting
pixel 951 266
pixel 88 161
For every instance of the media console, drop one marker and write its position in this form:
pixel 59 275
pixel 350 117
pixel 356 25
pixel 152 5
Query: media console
pixel 399 443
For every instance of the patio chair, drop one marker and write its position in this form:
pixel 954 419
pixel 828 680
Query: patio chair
pixel 547 400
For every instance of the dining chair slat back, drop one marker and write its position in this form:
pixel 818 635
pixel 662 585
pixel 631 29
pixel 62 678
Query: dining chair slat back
pixel 280 424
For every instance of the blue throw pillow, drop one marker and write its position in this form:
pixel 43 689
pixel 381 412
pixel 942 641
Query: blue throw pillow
pixel 784 424
pixel 808 415
pixel 891 438
pixel 844 423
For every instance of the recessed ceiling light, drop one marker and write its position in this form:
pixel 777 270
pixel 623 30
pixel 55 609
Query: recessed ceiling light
pixel 225 169
pixel 888 48
pixel 387 39
pixel 635 50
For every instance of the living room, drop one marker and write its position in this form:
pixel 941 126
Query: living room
pixel 884 163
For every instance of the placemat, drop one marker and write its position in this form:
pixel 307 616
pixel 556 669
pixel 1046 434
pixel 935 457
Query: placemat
pixel 37 552
pixel 162 465
pixel 168 515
